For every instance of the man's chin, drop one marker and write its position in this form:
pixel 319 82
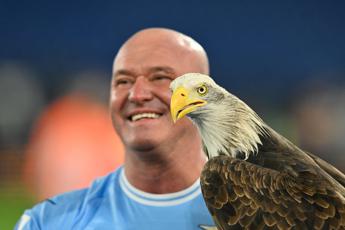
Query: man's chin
pixel 143 144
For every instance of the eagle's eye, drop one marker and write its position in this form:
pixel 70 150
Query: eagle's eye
pixel 202 90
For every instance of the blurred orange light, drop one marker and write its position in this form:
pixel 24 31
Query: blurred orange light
pixel 72 143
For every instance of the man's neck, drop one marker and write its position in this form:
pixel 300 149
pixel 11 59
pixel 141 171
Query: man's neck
pixel 174 172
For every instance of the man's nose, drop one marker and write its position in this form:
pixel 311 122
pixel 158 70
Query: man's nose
pixel 140 90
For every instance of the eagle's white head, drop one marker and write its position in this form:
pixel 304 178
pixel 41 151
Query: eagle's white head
pixel 226 124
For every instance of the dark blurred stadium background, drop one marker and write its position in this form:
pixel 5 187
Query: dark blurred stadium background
pixel 284 58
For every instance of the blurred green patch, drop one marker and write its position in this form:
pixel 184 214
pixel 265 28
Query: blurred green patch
pixel 14 199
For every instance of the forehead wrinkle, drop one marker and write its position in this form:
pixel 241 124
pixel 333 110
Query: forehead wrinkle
pixel 166 69
pixel 149 70
pixel 123 72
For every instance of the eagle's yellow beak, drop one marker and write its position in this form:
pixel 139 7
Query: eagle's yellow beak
pixel 183 103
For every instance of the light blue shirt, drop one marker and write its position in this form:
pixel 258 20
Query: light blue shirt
pixel 112 203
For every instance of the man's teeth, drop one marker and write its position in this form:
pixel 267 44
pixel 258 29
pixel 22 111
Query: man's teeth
pixel 144 115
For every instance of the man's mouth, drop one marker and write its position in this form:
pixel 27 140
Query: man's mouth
pixel 140 116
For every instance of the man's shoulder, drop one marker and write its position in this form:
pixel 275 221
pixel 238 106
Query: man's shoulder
pixel 76 198
pixel 66 208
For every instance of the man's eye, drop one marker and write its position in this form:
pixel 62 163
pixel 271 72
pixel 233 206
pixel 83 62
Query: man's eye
pixel 122 82
pixel 161 77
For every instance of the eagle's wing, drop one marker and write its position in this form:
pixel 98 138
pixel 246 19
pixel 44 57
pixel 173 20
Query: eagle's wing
pixel 242 195
pixel 330 169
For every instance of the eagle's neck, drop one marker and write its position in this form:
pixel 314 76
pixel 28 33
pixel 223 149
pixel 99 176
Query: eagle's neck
pixel 230 127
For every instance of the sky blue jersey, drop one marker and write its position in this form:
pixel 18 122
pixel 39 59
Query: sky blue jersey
pixel 112 203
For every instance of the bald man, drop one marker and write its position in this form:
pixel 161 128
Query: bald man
pixel 158 185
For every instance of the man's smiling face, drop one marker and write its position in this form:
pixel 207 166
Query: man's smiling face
pixel 140 95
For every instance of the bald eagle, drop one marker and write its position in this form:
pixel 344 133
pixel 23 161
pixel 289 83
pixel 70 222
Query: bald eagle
pixel 254 177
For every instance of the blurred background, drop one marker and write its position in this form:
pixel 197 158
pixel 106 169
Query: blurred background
pixel 284 58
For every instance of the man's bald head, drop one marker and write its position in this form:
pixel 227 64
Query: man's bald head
pixel 168 41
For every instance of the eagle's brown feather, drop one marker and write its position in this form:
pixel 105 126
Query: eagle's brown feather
pixel 281 188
